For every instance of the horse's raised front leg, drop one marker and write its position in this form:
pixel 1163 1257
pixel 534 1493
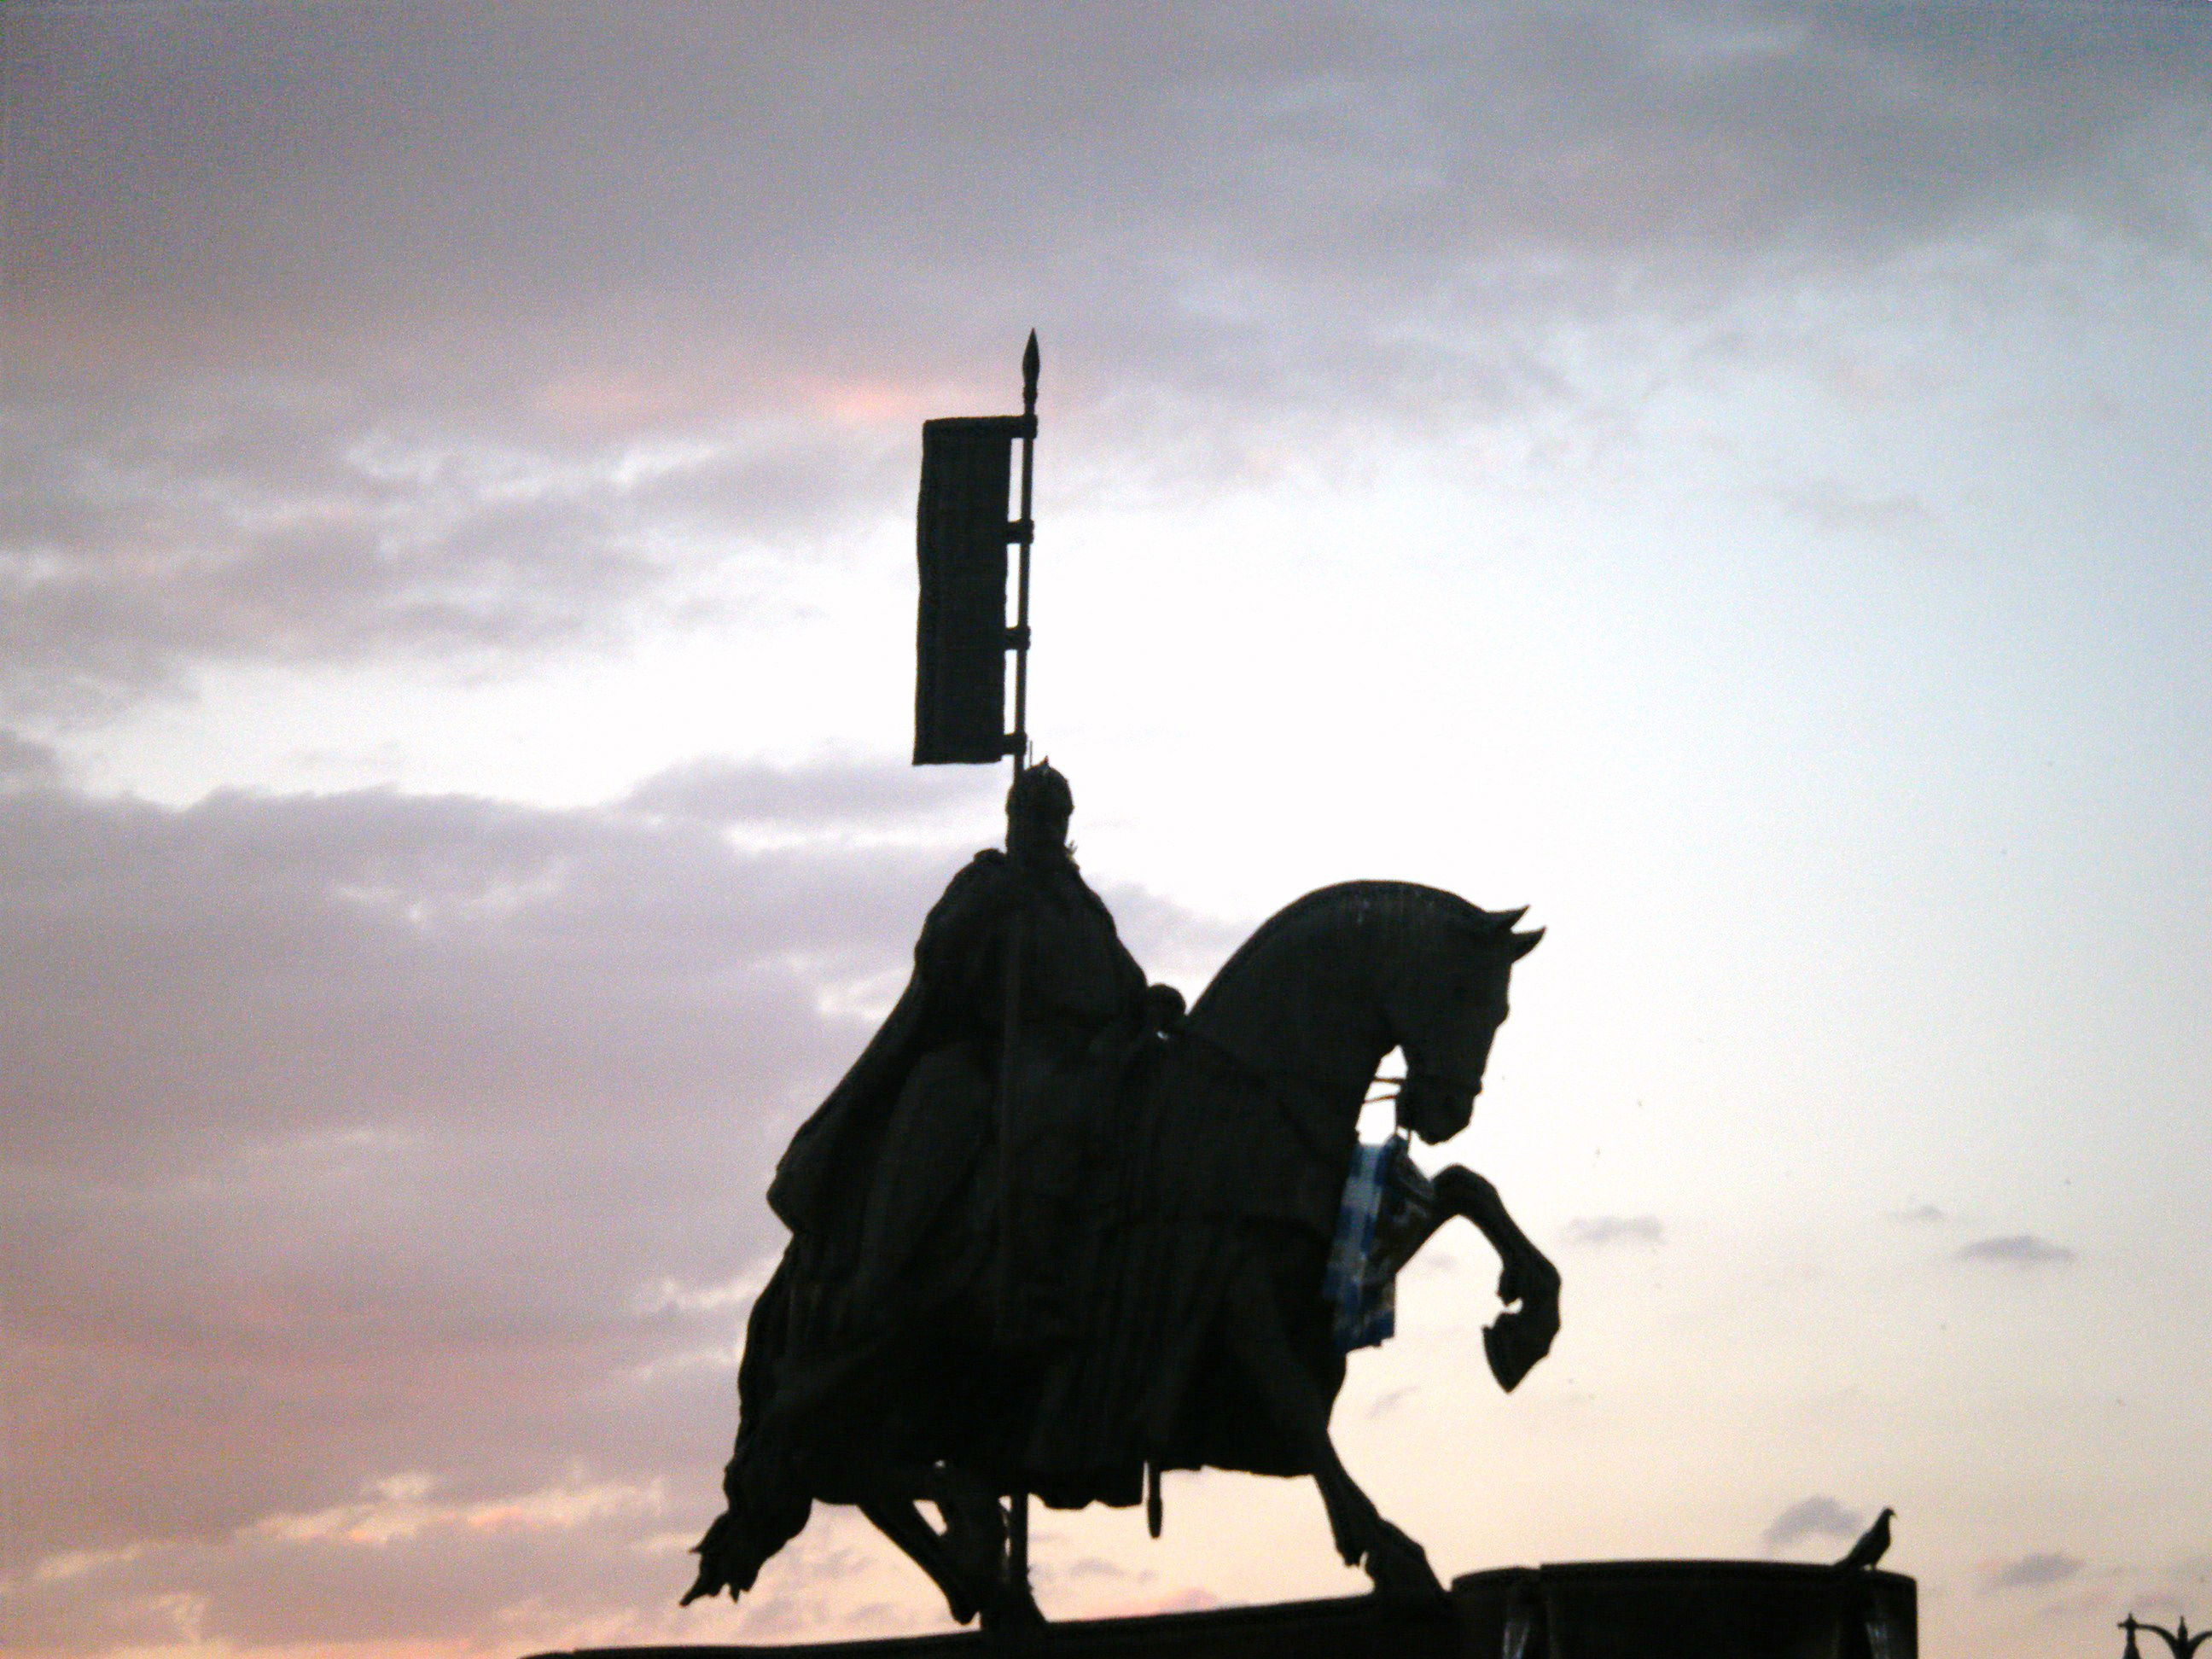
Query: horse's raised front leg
pixel 1522 1335
pixel 1299 1410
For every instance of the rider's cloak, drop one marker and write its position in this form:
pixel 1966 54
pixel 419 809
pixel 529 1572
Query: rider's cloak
pixel 900 1131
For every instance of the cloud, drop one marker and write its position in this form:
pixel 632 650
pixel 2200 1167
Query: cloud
pixel 23 762
pixel 1813 1517
pixel 1598 1231
pixel 655 343
pixel 1919 1215
pixel 1325 145
pixel 2034 1572
pixel 1842 508
pixel 1386 1405
pixel 817 798
pixel 2017 1250
pixel 228 522
pixel 402 1507
pixel 1098 1566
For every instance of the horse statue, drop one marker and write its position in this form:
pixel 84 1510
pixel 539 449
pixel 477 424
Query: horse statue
pixel 1200 1334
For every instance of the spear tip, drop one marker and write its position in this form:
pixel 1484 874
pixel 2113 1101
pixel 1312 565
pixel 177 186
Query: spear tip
pixel 1030 360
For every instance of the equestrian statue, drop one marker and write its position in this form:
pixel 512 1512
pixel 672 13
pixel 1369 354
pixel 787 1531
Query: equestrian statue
pixel 1053 1234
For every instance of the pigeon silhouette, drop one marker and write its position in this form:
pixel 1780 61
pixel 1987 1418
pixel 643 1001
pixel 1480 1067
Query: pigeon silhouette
pixel 1868 1550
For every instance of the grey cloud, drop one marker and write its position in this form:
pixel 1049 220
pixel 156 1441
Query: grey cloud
pixel 135 540
pixel 720 792
pixel 2017 1250
pixel 1919 1215
pixel 24 762
pixel 1385 1405
pixel 1301 142
pixel 1839 507
pixel 1603 1230
pixel 381 331
pixel 274 963
pixel 1813 1517
pixel 2035 1571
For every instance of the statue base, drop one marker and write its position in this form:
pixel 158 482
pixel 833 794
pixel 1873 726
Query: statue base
pixel 1575 1610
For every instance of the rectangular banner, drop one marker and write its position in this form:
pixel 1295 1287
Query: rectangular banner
pixel 960 647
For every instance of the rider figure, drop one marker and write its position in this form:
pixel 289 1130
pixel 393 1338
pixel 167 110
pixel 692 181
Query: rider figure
pixel 901 1161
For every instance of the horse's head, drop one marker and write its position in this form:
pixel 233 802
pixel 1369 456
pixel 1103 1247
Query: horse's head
pixel 1443 1007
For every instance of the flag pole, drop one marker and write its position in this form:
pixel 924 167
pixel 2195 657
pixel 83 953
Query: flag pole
pixel 1024 532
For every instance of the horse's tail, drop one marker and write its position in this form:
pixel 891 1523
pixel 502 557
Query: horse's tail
pixel 765 1509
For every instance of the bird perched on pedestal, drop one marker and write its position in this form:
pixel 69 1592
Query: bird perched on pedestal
pixel 1868 1550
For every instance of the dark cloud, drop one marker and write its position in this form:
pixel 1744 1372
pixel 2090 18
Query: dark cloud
pixel 2035 1571
pixel 768 159
pixel 1813 1517
pixel 473 329
pixel 24 762
pixel 2017 1250
pixel 382 1179
pixel 1604 1230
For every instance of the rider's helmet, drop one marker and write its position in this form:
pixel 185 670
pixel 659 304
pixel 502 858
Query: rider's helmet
pixel 1038 807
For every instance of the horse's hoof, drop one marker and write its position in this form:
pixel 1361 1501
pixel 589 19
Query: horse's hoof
pixel 1399 1567
pixel 1012 1612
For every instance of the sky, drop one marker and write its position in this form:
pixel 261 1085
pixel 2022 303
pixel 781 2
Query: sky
pixel 1732 479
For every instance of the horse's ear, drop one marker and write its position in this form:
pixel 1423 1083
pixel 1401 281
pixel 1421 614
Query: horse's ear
pixel 1521 943
pixel 1502 921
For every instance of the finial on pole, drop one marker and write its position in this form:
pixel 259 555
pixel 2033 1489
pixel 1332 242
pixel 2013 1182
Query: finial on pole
pixel 1030 360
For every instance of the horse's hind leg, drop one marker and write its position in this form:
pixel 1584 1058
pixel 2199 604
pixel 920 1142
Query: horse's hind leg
pixel 967 1560
pixel 1299 1410
pixel 976 1531
pixel 899 1520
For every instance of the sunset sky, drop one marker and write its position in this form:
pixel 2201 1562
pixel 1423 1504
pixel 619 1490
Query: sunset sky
pixel 1735 479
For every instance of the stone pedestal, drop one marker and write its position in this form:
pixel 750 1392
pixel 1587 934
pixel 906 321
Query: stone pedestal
pixel 1686 1610
pixel 1574 1610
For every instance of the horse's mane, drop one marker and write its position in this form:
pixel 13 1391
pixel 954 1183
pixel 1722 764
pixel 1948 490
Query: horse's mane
pixel 1390 899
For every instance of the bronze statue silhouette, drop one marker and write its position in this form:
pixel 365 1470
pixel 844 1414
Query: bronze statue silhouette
pixel 1061 1252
